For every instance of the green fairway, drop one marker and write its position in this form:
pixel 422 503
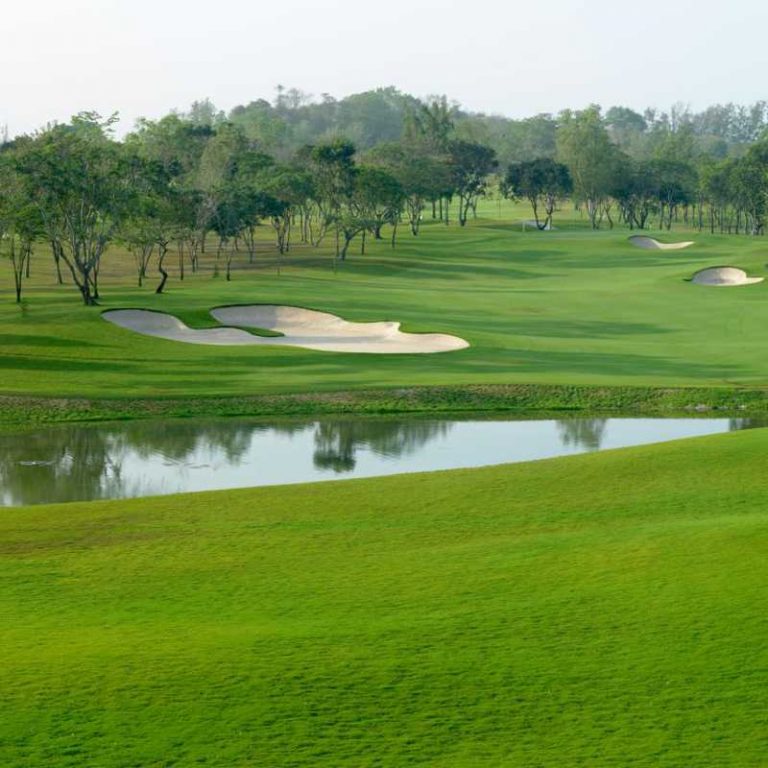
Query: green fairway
pixel 568 307
pixel 601 610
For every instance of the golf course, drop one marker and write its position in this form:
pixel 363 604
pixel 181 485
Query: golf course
pixel 564 308
pixel 596 610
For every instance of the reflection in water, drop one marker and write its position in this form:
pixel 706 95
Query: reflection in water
pixel 76 462
pixel 582 433
pixel 85 462
pixel 62 464
pixel 337 442
pixel 734 425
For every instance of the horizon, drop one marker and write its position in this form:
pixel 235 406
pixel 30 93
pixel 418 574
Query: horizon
pixel 152 59
pixel 121 127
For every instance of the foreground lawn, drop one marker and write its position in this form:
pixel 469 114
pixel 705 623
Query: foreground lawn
pixel 600 610
pixel 565 307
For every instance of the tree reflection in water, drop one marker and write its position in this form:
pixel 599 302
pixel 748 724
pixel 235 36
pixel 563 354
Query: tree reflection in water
pixel 734 425
pixel 86 462
pixel 76 462
pixel 337 442
pixel 582 433
pixel 65 464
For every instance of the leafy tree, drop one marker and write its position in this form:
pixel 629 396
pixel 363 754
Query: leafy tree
pixel 261 124
pixel 432 122
pixel 636 190
pixel 750 186
pixel 542 182
pixel 583 144
pixel 288 191
pixel 423 177
pixel 379 196
pixel 20 223
pixel 204 113
pixel 81 183
pixel 675 185
pixel 471 165
pixel 332 168
pixel 214 173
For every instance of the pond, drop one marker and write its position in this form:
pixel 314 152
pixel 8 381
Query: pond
pixel 143 458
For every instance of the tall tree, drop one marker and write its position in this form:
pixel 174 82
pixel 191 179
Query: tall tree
pixel 81 182
pixel 583 144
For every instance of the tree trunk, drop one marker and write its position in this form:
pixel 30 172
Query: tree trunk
pixel 57 261
pixel 161 270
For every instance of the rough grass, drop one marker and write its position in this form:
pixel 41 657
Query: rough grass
pixel 599 610
pixel 569 307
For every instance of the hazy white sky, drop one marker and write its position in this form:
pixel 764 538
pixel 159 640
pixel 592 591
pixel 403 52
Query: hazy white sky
pixel 145 57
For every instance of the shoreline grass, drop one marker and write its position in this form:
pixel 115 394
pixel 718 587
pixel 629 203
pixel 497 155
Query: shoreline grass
pixel 510 399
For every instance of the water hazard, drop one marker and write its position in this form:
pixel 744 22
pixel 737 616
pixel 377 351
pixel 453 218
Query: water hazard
pixel 109 461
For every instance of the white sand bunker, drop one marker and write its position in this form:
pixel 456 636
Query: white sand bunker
pixel 724 276
pixel 641 241
pixel 304 328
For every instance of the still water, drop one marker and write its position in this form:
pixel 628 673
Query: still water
pixel 109 461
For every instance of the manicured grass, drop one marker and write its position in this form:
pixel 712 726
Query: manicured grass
pixel 600 610
pixel 569 307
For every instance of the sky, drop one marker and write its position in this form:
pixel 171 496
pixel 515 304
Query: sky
pixel 143 58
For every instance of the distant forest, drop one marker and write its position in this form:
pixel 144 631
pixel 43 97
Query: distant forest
pixel 294 118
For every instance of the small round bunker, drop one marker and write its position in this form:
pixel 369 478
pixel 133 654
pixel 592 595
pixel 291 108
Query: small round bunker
pixel 724 277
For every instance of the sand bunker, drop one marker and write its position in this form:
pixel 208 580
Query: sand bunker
pixel 641 241
pixel 724 276
pixel 304 328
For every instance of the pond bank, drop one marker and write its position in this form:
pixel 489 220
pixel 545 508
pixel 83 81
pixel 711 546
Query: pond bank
pixel 411 400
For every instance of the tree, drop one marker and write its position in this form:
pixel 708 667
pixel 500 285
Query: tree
pixel 177 146
pixel 542 182
pixel 205 113
pixel 471 165
pixel 626 127
pixel 583 144
pixel 675 186
pixel 288 191
pixel 20 223
pixel 750 186
pixel 81 183
pixel 332 168
pixel 214 173
pixel 423 177
pixel 636 190
pixel 432 122
pixel 378 196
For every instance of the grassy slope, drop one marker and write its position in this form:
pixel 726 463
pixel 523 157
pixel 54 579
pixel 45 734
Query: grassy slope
pixel 566 307
pixel 599 610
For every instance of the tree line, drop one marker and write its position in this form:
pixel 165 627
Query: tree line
pixel 182 184
pixel 176 186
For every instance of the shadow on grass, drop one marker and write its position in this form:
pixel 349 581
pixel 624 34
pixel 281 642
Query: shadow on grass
pixel 14 362
pixel 574 329
pixel 600 364
pixel 29 340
